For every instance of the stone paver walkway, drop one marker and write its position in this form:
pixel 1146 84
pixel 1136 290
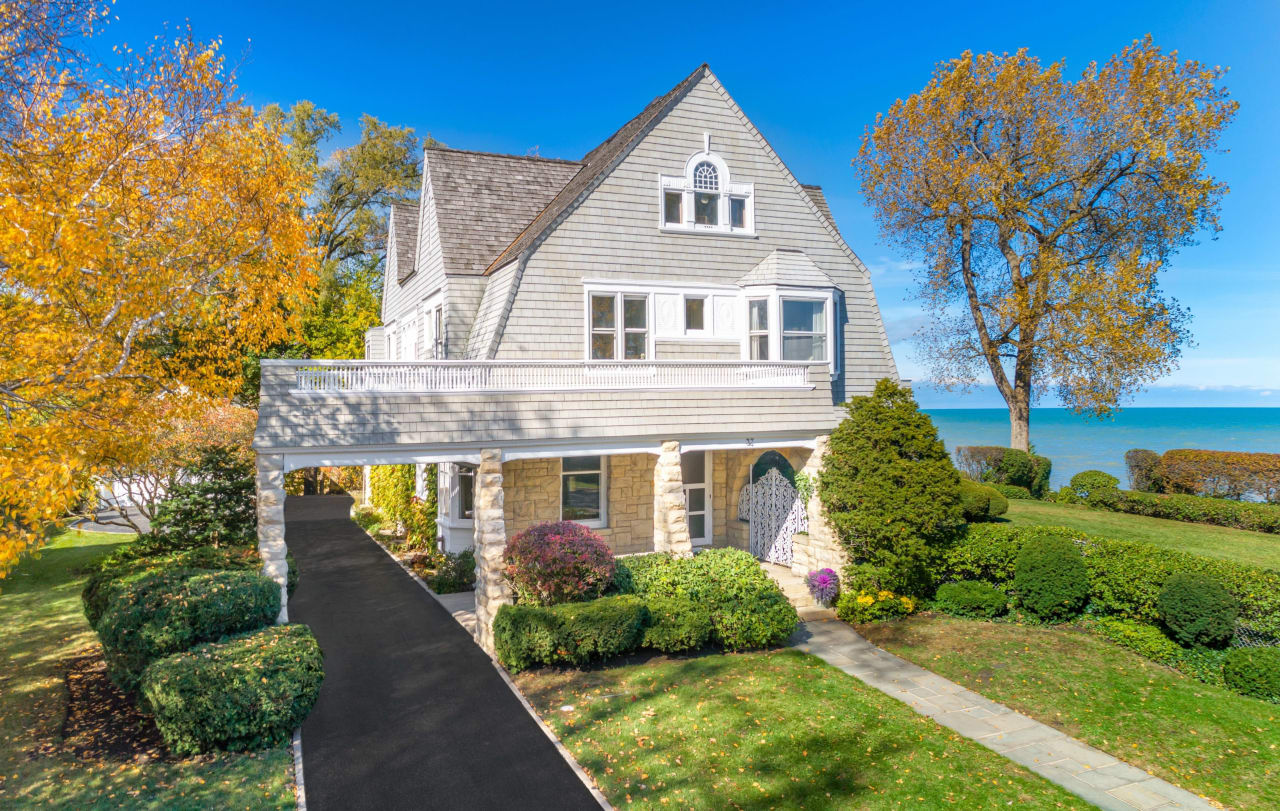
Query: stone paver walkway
pixel 1086 772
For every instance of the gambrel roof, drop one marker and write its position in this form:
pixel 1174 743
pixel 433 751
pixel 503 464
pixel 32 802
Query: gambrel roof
pixel 483 201
pixel 597 163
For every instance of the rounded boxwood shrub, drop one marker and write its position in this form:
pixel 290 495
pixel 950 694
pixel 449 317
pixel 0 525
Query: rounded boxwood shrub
pixel 245 692
pixel 980 503
pixel 525 636
pixel 1254 672
pixel 599 629
pixel 109 576
pixel 558 562
pixel 170 610
pixel 1011 491
pixel 1197 610
pixel 747 608
pixel 676 624
pixel 969 598
pixel 1050 579
pixel 1095 488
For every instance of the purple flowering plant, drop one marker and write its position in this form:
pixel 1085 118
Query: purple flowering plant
pixel 824 585
pixel 558 562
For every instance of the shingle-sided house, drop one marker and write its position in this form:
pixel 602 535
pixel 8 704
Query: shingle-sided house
pixel 653 340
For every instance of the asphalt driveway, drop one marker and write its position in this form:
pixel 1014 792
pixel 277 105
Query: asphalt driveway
pixel 412 713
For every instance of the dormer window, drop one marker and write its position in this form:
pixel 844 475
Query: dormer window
pixel 705 198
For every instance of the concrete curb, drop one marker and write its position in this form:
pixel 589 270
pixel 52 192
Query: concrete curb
pixel 300 788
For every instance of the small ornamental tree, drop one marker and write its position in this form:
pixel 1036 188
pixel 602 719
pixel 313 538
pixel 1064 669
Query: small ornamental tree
pixel 214 506
pixel 889 487
pixel 558 562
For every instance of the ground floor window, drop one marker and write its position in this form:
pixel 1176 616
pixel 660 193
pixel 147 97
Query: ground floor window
pixel 582 490
pixel 466 491
pixel 693 470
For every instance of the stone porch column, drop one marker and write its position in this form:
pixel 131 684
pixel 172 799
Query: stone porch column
pixel 670 514
pixel 271 547
pixel 823 549
pixel 492 591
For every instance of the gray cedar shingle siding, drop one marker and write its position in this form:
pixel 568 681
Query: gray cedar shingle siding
pixel 787 266
pixel 612 233
pixel 354 421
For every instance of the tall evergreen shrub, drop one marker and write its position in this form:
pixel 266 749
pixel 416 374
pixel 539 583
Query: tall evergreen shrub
pixel 889 487
pixel 215 505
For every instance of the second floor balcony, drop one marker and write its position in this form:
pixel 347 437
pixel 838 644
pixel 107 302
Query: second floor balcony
pixel 338 377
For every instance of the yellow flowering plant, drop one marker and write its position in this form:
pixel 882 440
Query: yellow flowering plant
pixel 873 606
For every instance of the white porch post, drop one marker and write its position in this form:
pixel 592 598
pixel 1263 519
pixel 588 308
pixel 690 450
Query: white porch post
pixel 492 591
pixel 670 514
pixel 271 546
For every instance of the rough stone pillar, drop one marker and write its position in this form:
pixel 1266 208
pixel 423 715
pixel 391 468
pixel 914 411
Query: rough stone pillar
pixel 492 591
pixel 271 547
pixel 822 548
pixel 670 514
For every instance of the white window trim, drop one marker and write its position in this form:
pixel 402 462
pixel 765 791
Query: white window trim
pixel 707 326
pixel 451 479
pixel 775 294
pixel 620 328
pixel 709 503
pixel 683 183
pixel 597 523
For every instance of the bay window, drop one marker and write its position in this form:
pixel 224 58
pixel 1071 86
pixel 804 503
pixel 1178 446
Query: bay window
pixel 758 328
pixel 582 489
pixel 804 329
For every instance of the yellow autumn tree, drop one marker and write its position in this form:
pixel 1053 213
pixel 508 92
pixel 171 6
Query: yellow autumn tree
pixel 151 232
pixel 1044 209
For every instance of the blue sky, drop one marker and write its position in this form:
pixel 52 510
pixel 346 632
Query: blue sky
pixel 560 78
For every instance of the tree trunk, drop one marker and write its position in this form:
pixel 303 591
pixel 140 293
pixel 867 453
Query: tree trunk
pixel 1020 422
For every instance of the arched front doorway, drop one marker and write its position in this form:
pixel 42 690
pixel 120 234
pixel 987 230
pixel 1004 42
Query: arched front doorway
pixel 769 502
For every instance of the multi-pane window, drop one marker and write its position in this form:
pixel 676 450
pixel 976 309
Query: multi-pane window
pixel 693 471
pixel 706 197
pixel 613 336
pixel 673 207
pixel 804 329
pixel 582 489
pixel 758 328
pixel 695 313
pixel 466 491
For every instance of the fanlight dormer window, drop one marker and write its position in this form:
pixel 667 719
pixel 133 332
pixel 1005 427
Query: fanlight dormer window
pixel 705 177
pixel 705 199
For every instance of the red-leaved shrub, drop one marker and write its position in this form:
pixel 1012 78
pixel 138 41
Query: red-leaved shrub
pixel 558 562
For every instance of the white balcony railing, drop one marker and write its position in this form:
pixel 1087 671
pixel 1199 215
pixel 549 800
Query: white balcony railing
pixel 353 376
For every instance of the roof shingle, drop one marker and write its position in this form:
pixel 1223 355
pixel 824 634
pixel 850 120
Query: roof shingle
pixel 483 200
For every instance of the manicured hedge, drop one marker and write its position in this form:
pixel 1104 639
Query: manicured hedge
pixel 1197 610
pixel 1254 672
pixel 746 607
pixel 1011 491
pixel 993 464
pixel 156 613
pixel 1221 512
pixel 108 576
pixel 969 598
pixel 675 624
pixel 1125 577
pixel 1143 639
pixel 1050 579
pixel 1233 474
pixel 245 692
pixel 569 633
pixel 979 502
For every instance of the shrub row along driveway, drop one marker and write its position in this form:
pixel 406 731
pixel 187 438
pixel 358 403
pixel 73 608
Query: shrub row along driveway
pixel 412 713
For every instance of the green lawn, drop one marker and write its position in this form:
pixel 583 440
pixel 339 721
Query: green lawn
pixel 1256 548
pixel 1202 738
pixel 44 627
pixel 778 729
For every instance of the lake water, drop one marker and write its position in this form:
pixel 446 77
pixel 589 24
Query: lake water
pixel 1075 443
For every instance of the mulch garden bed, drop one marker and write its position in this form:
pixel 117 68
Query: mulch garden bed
pixel 102 723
